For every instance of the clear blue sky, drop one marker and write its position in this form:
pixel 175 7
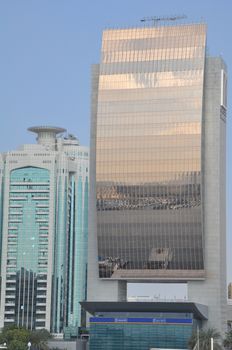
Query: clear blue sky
pixel 48 46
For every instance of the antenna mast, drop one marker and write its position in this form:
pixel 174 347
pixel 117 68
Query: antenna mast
pixel 156 19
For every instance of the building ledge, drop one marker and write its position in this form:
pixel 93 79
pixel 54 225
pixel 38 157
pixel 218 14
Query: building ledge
pixel 199 311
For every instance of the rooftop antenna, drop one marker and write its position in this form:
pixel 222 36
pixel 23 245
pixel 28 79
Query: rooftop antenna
pixel 156 19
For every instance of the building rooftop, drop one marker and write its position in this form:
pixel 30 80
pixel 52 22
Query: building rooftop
pixel 45 128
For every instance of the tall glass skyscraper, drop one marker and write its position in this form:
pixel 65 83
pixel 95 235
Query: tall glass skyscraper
pixel 148 149
pixel 44 205
pixel 158 163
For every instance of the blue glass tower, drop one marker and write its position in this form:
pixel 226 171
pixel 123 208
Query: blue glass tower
pixel 44 227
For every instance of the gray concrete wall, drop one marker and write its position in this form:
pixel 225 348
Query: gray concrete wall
pixel 212 291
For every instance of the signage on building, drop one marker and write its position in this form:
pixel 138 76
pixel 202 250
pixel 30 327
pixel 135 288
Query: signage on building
pixel 141 320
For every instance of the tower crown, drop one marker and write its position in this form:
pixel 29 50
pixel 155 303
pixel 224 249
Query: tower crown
pixel 46 135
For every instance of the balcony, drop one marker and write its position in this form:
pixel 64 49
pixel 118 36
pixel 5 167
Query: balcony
pixel 40 312
pixel 41 288
pixel 21 198
pixel 11 265
pixel 10 301
pixel 9 312
pixel 15 220
pixel 29 191
pixel 41 198
pixel 11 287
pixel 29 183
pixel 10 284
pixel 9 320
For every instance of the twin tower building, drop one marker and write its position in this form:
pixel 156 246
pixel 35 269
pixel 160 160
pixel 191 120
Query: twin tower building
pixel 155 187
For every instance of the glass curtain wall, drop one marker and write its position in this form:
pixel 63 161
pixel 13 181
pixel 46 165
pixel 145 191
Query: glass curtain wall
pixel 148 152
pixel 27 252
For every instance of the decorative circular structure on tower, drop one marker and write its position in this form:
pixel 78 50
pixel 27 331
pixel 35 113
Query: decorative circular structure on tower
pixel 46 135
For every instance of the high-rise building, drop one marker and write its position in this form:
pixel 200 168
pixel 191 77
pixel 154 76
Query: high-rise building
pixel 157 172
pixel 44 206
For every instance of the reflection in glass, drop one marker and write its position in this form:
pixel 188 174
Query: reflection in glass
pixel 148 152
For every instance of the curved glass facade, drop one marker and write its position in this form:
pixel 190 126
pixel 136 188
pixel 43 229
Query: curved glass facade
pixel 148 153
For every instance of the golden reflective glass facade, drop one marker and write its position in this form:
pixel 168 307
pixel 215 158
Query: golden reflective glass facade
pixel 148 153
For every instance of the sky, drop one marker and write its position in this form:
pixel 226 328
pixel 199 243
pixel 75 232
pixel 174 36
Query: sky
pixel 46 51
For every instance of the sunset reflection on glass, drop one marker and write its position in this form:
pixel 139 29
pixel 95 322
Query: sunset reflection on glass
pixel 148 152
